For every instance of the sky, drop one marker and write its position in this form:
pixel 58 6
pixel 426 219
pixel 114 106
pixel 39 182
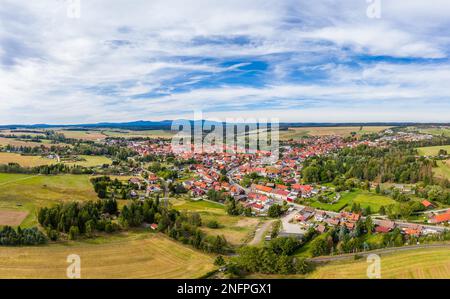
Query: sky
pixel 296 60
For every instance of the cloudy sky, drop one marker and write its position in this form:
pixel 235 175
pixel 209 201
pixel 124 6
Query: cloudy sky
pixel 303 61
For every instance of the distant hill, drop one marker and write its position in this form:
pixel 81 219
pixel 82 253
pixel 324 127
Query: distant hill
pixel 166 125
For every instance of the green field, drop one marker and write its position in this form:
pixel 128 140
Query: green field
pixel 432 150
pixel 89 161
pixel 28 192
pixel 236 229
pixel 364 198
pixel 91 135
pixel 436 131
pixel 443 169
pixel 142 255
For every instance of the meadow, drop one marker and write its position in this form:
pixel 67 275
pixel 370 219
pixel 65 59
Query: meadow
pixel 364 198
pixel 90 135
pixel 432 150
pixel 236 229
pixel 443 169
pixel 139 134
pixel 124 255
pixel 21 192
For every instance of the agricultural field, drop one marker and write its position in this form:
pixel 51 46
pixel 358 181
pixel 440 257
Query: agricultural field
pixel 236 229
pixel 444 131
pixel 142 255
pixel 89 161
pixel 25 161
pixel 432 150
pixel 412 264
pixel 364 198
pixel 295 133
pixel 139 134
pixel 83 135
pixel 432 263
pixel 26 193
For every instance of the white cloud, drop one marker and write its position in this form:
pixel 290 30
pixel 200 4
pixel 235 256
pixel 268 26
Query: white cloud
pixel 54 69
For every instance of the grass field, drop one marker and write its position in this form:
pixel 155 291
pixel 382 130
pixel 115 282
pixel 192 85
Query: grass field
pixel 436 131
pixel 236 229
pixel 90 161
pixel 443 169
pixel 432 150
pixel 83 135
pixel 295 133
pixel 144 255
pixel 415 264
pixel 137 134
pixel 363 198
pixel 25 161
pixel 28 192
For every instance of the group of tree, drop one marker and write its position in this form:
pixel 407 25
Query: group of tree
pixel 76 218
pixel 21 237
pixel 274 258
pixel 365 163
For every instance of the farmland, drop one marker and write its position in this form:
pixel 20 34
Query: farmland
pixel 413 264
pixel 295 133
pixel 142 255
pixel 83 135
pixel 20 192
pixel 139 134
pixel 25 161
pixel 236 229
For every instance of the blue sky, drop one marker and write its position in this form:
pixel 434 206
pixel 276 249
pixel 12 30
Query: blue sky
pixel 302 61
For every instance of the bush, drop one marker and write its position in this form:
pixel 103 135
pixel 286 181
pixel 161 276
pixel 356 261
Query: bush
pixel 212 224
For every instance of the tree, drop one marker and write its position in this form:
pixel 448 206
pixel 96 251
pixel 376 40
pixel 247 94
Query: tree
pixel 73 232
pixel 382 210
pixel 369 225
pixel 219 261
pixel 275 211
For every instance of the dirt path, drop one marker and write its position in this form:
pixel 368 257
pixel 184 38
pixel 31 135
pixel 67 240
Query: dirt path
pixel 259 233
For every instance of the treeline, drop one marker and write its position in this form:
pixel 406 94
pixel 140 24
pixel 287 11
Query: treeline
pixel 20 237
pixel 76 218
pixel 393 164
pixel 274 258
pixel 52 169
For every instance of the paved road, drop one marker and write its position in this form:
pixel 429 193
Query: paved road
pixel 377 251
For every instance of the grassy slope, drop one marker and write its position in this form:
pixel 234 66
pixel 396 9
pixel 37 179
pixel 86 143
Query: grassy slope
pixel 33 191
pixel 432 150
pixel 236 229
pixel 421 263
pixel 443 169
pixel 137 256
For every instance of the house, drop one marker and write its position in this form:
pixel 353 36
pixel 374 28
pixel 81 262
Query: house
pixel 280 194
pixel 427 204
pixel 321 228
pixel 385 226
pixel 332 221
pixel 154 226
pixel 261 189
pixel 440 218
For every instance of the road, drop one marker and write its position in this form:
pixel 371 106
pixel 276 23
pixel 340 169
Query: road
pixel 322 259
